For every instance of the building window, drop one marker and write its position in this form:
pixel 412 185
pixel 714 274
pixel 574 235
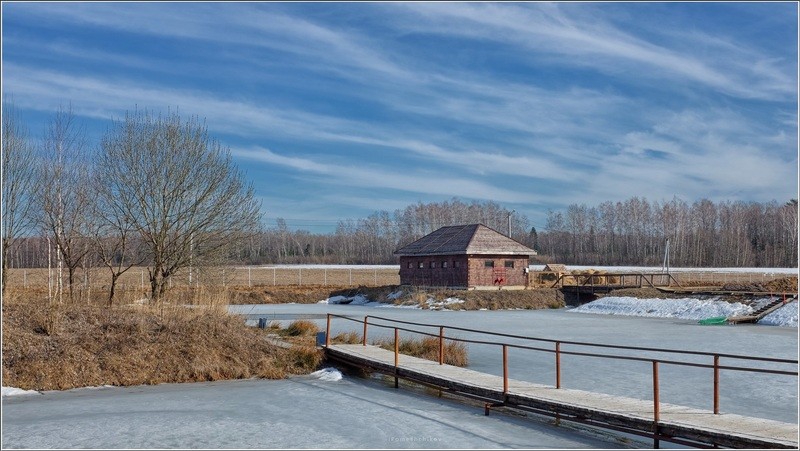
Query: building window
pixel 488 263
pixel 456 264
pixel 433 265
pixel 509 263
pixel 421 265
pixel 410 265
pixel 444 264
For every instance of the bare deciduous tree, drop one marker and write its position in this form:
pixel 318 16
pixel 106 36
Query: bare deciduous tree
pixel 64 192
pixel 179 189
pixel 18 174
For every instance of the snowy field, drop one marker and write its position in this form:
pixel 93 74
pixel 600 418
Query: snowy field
pixel 342 411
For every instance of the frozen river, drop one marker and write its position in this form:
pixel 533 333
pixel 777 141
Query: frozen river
pixel 314 412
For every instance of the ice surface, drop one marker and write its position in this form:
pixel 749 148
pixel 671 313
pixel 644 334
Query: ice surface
pixel 326 409
pixel 301 412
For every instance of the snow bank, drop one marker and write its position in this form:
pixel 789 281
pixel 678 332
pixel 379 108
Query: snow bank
pixel 358 299
pixel 327 375
pixel 785 316
pixel 12 391
pixel 693 309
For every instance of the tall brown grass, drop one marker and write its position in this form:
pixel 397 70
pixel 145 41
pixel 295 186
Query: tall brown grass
pixel 71 345
pixel 455 352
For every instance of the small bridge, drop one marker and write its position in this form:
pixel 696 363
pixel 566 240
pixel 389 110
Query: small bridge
pixel 648 418
pixel 590 283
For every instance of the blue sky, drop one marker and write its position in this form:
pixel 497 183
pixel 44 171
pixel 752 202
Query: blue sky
pixel 336 110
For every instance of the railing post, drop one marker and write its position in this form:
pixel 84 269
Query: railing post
pixel 364 338
pixel 505 371
pixel 716 385
pixel 558 364
pixel 396 355
pixel 656 410
pixel 441 345
pixel 328 332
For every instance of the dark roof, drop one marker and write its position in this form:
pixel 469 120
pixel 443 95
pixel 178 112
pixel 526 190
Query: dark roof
pixel 464 239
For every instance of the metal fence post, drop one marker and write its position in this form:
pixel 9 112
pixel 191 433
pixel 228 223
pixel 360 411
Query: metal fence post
pixel 505 371
pixel 441 345
pixel 716 385
pixel 328 332
pixel 364 340
pixel 396 355
pixel 558 364
pixel 656 409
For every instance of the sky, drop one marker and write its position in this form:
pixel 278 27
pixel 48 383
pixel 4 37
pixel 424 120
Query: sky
pixel 337 110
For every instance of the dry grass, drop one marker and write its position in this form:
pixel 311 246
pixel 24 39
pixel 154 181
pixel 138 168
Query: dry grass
pixel 302 328
pixel 76 345
pixel 346 338
pixel 455 352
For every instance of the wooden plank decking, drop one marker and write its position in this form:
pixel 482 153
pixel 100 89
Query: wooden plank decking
pixel 724 429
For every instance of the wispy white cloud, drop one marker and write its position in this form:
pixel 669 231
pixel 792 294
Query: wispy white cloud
pixel 524 103
pixel 581 39
pixel 380 177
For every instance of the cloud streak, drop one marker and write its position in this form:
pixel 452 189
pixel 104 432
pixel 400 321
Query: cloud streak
pixel 533 105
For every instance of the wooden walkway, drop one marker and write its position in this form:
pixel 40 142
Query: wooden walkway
pixel 626 414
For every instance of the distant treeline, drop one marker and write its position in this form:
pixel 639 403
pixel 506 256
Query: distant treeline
pixel 633 232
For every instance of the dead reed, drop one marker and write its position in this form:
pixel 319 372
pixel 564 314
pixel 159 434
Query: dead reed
pixel 47 347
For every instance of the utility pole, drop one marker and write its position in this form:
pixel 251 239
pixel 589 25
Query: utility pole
pixel 509 222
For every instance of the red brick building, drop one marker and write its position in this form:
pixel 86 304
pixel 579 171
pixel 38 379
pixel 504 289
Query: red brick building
pixel 465 256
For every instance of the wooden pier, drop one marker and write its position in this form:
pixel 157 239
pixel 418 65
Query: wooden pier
pixel 625 414
pixel 648 418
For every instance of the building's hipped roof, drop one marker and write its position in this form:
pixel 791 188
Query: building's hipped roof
pixel 464 239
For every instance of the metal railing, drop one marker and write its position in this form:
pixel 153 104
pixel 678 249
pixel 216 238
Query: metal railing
pixel 558 352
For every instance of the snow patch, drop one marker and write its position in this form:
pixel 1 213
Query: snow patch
pixel 691 309
pixel 13 391
pixel 433 304
pixel 785 316
pixel 327 375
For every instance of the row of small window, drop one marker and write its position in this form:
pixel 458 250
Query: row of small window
pixel 435 264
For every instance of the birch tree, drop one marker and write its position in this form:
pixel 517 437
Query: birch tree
pixel 64 193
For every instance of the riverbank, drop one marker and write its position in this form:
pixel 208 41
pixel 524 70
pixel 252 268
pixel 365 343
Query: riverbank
pixel 73 345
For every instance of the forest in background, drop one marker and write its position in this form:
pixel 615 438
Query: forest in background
pixel 632 232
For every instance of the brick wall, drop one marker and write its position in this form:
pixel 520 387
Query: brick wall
pixel 481 275
pixel 463 271
pixel 433 271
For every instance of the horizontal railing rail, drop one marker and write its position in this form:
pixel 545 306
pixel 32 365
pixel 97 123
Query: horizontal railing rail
pixel 655 361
